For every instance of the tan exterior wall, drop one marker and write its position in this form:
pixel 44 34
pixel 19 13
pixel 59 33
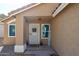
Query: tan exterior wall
pixel 19 30
pixel 8 40
pixel 44 9
pixel 65 31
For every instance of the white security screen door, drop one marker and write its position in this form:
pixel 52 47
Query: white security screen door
pixel 34 33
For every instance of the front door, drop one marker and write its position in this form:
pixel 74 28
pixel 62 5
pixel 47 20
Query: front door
pixel 34 33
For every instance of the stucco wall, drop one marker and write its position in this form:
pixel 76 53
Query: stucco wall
pixel 65 31
pixel 44 9
pixel 19 30
pixel 7 40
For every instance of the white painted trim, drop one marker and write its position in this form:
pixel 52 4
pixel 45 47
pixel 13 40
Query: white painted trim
pixel 11 21
pixel 42 31
pixel 60 8
pixel 1 47
pixel 19 48
pixel 22 11
pixel 8 30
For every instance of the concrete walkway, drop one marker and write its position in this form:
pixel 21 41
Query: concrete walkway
pixel 30 51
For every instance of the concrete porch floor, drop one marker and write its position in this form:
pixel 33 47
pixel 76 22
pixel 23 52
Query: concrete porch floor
pixel 30 51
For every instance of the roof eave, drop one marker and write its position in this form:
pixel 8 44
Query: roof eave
pixel 20 11
pixel 59 9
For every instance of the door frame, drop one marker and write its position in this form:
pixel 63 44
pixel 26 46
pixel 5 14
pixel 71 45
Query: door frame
pixel 38 30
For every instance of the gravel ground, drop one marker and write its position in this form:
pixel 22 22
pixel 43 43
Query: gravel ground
pixel 30 51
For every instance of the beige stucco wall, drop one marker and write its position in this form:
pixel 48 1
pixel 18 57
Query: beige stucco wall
pixel 44 9
pixel 8 40
pixel 19 30
pixel 65 31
